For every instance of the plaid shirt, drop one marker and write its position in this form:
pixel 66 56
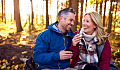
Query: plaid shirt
pixel 87 53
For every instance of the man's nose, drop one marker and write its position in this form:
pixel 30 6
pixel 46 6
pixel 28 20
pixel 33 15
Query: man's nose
pixel 72 23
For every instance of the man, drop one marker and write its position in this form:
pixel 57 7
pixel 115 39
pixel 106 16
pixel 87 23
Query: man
pixel 49 51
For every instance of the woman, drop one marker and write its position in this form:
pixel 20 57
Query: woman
pixel 91 48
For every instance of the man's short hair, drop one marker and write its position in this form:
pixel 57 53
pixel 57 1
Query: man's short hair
pixel 64 12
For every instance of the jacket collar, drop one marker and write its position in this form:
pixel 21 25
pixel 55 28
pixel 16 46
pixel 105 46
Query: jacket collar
pixel 54 28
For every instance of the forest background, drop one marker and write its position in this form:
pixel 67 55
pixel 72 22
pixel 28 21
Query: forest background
pixel 22 20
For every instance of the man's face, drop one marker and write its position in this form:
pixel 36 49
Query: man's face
pixel 68 22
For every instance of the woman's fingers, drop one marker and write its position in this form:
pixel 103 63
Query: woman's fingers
pixel 76 39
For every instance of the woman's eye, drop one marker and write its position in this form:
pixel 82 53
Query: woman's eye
pixel 87 21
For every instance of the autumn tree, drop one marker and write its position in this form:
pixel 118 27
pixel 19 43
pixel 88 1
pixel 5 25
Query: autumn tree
pixel 104 14
pixel 96 5
pixel 110 18
pixel 74 5
pixel 100 11
pixel 31 25
pixel 86 6
pixel 47 15
pixel 17 16
pixel 81 15
pixel 2 9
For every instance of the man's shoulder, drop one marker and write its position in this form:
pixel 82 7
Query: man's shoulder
pixel 45 33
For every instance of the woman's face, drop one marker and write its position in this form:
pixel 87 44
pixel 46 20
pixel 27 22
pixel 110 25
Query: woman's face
pixel 88 25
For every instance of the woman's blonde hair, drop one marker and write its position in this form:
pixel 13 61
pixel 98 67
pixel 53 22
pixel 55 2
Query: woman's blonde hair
pixel 100 32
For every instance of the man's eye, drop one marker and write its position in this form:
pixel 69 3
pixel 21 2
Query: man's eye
pixel 71 20
pixel 83 20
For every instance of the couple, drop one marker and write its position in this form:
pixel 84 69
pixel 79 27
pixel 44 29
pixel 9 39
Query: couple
pixel 58 45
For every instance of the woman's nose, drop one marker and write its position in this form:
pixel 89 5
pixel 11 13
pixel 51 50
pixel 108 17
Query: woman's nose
pixel 83 23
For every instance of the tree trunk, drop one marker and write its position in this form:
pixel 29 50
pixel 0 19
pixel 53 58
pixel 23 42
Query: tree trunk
pixel 104 14
pixel 32 25
pixel 43 14
pixel 116 9
pixel 100 12
pixel 69 3
pixel 11 17
pixel 86 6
pixel 115 14
pixel 110 18
pixel 47 15
pixel 57 7
pixel 81 13
pixel 96 6
pixel 2 10
pixel 17 16
pixel 74 5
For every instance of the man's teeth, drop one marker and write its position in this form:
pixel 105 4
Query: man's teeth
pixel 69 25
pixel 85 27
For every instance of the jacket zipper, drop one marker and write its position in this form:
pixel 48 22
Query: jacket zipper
pixel 58 64
pixel 64 41
pixel 65 48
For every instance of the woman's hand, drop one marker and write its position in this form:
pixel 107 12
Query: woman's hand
pixel 76 39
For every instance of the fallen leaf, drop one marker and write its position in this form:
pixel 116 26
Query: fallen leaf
pixel 14 57
pixel 24 52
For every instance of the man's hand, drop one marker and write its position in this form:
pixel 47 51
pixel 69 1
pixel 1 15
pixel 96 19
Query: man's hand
pixel 65 55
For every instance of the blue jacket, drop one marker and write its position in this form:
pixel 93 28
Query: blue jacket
pixel 48 45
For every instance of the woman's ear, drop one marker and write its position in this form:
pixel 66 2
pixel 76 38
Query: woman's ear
pixel 95 28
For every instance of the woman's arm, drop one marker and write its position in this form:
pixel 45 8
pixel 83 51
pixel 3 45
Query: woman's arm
pixel 105 57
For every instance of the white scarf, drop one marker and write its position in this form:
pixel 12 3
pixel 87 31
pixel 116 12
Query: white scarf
pixel 87 37
pixel 88 40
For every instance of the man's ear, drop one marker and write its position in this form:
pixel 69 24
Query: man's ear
pixel 61 17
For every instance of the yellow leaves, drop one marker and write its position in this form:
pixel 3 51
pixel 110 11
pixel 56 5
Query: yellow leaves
pixel 5 29
pixel 117 29
pixel 3 67
pixel 3 64
pixel 0 65
pixel 20 65
pixel 118 50
pixel 0 61
pixel 13 66
pixel 24 52
pixel 119 62
pixel 14 57
pixel 20 46
pixel 4 60
pixel 32 46
pixel 8 68
pixel 16 67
